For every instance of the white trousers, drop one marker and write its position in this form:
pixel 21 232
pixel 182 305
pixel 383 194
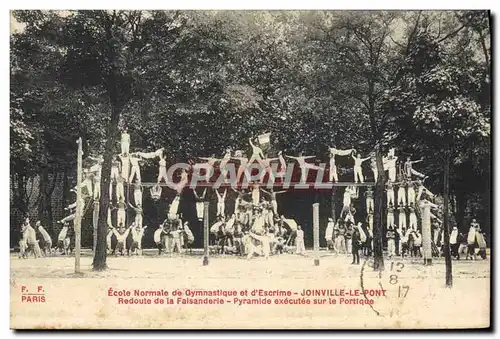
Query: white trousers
pixel 135 171
pixel 411 171
pixel 138 197
pixel 274 204
pixel 300 247
pixel 270 219
pixel 391 247
pixel 68 218
pixel 138 219
pixel 413 221
pixel 390 219
pixel 402 220
pixel 390 197
pixel 411 196
pixel 125 170
pixel 358 174
pixel 333 172
pixel 120 193
pixel 97 189
pixel 220 208
pixel 369 204
pixel 176 244
pixel 120 217
pixel 199 210
pixel 304 170
pixel 392 174
pixel 115 174
pixel 125 146
pixel 401 196
pixel 174 207
pixel 108 240
pixel 162 174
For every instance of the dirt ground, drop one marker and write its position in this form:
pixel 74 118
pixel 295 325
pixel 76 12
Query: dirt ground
pixel 415 296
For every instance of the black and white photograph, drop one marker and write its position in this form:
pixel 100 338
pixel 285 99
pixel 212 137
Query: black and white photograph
pixel 250 169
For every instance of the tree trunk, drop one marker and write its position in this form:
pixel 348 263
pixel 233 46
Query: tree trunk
pixel 378 252
pixel 446 222
pixel 50 224
pixel 99 263
pixel 46 188
pixel 487 215
pixel 485 51
pixel 65 188
pixel 21 201
pixel 44 199
pixel 18 202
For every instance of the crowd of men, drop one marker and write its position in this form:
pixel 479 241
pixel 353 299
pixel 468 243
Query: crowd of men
pixel 343 237
pixel 234 236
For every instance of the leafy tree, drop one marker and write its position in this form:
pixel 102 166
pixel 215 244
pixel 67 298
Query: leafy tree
pixel 198 82
pixel 354 58
pixel 37 92
pixel 432 104
pixel 106 51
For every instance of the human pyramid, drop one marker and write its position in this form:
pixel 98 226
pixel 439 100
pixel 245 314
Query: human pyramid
pixel 255 226
pixel 347 236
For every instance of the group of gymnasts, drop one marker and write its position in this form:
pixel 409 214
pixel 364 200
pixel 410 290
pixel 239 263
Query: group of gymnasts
pixel 255 223
pixel 257 215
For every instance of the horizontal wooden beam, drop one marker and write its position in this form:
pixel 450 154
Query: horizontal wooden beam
pixel 264 185
pixel 354 183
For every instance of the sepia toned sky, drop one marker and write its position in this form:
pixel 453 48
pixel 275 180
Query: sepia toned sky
pixel 14 25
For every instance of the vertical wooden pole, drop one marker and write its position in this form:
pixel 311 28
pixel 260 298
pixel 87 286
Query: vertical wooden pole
pixel 126 201
pixel 426 234
pixel 206 233
pixel 316 233
pixel 78 216
pixel 446 221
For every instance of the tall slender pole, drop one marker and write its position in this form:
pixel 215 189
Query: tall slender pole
pixel 206 233
pixel 78 216
pixel 316 233
pixel 426 233
pixel 446 222
pixel 126 201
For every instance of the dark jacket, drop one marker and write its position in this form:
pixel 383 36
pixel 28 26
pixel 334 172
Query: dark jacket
pixel 356 240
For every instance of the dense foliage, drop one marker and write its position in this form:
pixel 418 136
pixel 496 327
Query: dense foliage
pixel 197 82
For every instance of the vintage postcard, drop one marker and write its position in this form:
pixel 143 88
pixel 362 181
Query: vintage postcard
pixel 250 169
